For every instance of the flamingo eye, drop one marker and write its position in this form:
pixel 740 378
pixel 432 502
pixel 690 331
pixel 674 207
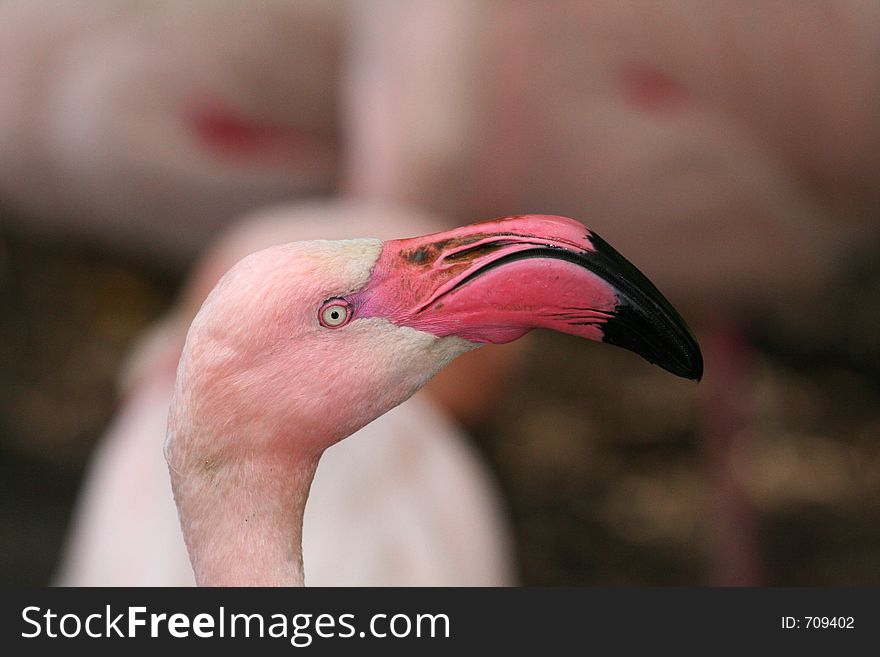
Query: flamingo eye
pixel 335 313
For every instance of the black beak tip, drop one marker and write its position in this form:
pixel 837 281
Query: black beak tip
pixel 696 372
pixel 644 321
pixel 663 341
pixel 691 368
pixel 684 357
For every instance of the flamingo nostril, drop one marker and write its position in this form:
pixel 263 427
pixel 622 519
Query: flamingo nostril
pixel 476 252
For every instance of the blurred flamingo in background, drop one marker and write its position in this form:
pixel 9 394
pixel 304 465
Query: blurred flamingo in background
pixel 146 126
pixel 720 125
pixel 410 491
pixel 748 132
pixel 302 344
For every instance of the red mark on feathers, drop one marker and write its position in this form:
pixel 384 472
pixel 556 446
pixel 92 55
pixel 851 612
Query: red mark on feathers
pixel 234 134
pixel 651 90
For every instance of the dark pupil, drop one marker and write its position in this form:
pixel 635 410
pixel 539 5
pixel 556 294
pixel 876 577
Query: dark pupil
pixel 334 314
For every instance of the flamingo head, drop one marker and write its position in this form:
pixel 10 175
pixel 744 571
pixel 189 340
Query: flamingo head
pixel 310 341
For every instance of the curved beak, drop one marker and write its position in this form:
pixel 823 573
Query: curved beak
pixel 497 280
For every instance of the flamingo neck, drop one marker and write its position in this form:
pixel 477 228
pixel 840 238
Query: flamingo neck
pixel 242 523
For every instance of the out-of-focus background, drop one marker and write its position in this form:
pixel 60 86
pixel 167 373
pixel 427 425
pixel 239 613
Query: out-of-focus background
pixel 730 150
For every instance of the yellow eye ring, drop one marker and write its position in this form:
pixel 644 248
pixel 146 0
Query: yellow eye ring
pixel 334 314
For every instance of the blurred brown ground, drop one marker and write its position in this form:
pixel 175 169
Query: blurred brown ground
pixel 596 452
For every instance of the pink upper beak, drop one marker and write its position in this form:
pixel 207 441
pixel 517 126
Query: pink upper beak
pixel 497 280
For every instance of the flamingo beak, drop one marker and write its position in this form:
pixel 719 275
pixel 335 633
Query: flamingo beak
pixel 497 280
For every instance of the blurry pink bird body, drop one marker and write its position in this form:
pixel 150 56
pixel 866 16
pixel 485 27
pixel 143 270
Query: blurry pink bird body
pixel 408 489
pixel 147 126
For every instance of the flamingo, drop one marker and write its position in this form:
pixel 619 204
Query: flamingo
pixel 301 345
pixel 410 491
pixel 144 127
